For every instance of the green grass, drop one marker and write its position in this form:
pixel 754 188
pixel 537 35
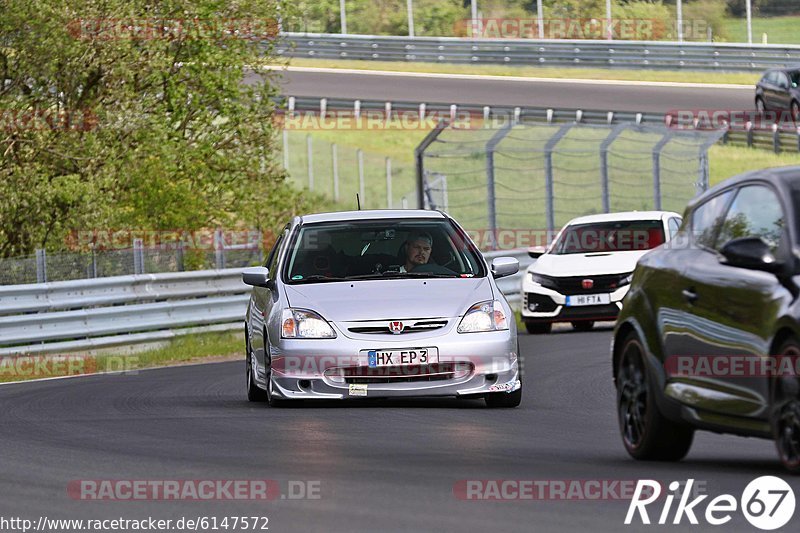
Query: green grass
pixel 537 72
pixel 184 349
pixel 779 30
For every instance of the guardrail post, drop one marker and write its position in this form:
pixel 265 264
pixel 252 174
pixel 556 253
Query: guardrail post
pixel 310 158
pixel 548 177
pixel 490 184
pixel 138 256
pixel 41 266
pixel 749 130
pixel 776 139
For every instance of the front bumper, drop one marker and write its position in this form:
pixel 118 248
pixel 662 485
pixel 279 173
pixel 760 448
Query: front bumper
pixel 471 364
pixel 543 305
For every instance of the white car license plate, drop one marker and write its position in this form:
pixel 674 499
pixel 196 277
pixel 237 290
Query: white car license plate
pixel 588 299
pixel 404 357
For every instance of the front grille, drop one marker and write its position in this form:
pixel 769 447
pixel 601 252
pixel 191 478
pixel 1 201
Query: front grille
pixel 607 311
pixel 574 285
pixel 404 374
pixel 415 327
pixel 539 303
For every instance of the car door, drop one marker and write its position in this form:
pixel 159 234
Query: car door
pixel 675 307
pixel 769 86
pixel 264 299
pixel 734 309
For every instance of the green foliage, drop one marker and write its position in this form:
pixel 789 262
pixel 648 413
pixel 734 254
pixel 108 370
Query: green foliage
pixel 173 139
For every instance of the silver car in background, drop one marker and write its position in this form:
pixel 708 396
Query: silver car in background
pixel 375 304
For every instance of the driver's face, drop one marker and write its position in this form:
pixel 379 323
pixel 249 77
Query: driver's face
pixel 419 252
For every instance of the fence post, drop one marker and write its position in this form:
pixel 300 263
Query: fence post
pixel 41 266
pixel 219 249
pixel 179 256
pixel 491 145
pixel 419 156
pixel 388 183
pixel 548 177
pixel 360 156
pixel 310 157
pixel 138 256
pixel 657 168
pixel 94 262
pixel 335 164
pixel 604 146
pixel 286 149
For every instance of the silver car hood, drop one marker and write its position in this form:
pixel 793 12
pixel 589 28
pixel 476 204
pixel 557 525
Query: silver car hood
pixel 390 299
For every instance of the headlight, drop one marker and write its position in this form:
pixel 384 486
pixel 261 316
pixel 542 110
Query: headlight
pixel 484 316
pixel 305 324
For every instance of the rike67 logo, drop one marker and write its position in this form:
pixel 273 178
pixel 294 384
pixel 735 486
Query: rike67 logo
pixel 767 503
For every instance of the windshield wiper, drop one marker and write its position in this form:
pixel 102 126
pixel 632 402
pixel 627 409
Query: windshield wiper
pixel 317 278
pixel 396 274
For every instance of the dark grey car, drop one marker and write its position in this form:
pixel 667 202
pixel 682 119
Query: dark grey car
pixel 778 90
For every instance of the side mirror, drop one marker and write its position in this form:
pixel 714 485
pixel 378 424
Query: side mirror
pixel 536 251
pixel 751 253
pixel 256 276
pixel 504 266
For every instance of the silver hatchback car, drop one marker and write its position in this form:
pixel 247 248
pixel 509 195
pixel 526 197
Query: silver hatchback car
pixel 375 304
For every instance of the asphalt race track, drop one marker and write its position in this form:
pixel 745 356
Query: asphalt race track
pixel 568 95
pixel 380 465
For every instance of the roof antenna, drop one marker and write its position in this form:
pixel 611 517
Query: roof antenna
pixel 358 202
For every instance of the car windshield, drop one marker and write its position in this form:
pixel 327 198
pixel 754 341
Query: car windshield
pixel 604 237
pixel 380 249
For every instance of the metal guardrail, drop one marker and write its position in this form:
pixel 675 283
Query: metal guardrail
pixel 589 53
pixel 66 316
pixel 774 138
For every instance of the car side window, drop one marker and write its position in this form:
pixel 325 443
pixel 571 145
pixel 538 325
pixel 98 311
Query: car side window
pixel 272 259
pixel 783 81
pixel 755 212
pixel 707 218
pixel 771 77
pixel 674 226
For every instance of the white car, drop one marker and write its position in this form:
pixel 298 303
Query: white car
pixel 582 276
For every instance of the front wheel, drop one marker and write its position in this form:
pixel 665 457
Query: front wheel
pixel 646 433
pixel 254 393
pixel 760 107
pixel 786 425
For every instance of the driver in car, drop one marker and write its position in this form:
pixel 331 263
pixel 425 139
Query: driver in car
pixel 417 251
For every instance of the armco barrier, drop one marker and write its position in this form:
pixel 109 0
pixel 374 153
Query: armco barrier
pixel 90 314
pixel 589 53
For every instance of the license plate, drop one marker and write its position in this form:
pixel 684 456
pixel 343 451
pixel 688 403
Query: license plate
pixel 404 357
pixel 588 299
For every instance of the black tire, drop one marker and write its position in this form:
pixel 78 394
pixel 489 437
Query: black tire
pixel 786 418
pixel 538 328
pixel 584 325
pixel 504 400
pixel 760 107
pixel 646 434
pixel 254 393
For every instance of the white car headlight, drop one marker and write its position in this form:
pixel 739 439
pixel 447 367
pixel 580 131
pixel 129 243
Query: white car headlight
pixel 305 324
pixel 484 316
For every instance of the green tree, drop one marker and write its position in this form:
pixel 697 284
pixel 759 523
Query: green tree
pixel 137 130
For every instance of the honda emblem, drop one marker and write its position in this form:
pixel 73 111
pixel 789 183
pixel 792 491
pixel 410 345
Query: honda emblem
pixel 587 283
pixel 396 327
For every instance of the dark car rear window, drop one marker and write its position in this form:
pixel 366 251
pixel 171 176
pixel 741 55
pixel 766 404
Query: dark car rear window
pixel 619 236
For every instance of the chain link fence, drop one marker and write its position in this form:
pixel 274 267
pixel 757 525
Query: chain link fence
pixel 539 176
